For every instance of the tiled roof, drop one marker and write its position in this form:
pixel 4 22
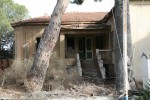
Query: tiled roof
pixel 70 17
pixel 92 16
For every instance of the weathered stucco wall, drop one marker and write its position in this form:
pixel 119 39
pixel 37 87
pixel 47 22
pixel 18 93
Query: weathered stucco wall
pixel 18 42
pixel 140 28
pixel 25 41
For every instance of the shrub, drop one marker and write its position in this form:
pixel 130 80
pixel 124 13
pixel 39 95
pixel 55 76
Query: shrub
pixel 17 71
pixel 141 94
pixel 59 75
pixel 144 94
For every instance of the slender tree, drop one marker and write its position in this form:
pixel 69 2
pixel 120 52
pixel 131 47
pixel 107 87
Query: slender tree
pixel 120 79
pixel 119 45
pixel 129 42
pixel 36 76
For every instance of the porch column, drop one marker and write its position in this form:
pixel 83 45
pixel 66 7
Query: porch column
pixel 62 46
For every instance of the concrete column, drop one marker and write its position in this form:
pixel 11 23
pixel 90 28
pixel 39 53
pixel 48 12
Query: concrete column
pixel 62 46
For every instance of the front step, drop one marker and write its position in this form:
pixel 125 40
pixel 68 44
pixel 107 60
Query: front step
pixel 90 69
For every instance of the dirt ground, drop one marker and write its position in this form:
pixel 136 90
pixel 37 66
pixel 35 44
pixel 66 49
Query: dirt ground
pixel 87 88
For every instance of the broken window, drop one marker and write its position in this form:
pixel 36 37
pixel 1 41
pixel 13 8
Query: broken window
pixel 70 46
pixel 99 42
pixel 37 42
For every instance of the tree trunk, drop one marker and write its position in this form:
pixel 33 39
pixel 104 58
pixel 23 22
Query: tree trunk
pixel 35 78
pixel 120 79
pixel 129 37
pixel 119 46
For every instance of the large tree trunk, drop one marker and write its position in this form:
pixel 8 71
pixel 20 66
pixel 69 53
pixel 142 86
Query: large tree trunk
pixel 35 78
pixel 119 20
pixel 119 46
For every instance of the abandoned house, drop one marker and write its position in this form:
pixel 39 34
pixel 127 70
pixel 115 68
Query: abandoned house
pixel 81 33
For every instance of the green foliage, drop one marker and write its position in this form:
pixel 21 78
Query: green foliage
pixel 5 26
pixel 97 0
pixel 13 11
pixel 141 94
pixel 144 94
pixel 79 2
pixel 10 12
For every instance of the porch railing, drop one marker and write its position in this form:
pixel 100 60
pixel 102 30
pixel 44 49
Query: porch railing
pixel 100 63
pixel 79 64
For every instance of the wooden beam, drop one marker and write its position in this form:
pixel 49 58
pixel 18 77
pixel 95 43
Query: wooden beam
pixel 78 64
pixel 62 46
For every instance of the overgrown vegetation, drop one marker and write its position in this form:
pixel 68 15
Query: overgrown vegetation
pixel 14 75
pixel 10 12
pixel 141 93
pixel 60 76
pixel 144 94
pixel 61 80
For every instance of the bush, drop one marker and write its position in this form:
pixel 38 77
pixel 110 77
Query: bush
pixel 59 77
pixel 142 94
pixel 17 71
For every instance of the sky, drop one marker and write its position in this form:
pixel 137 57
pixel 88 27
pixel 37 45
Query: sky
pixel 41 7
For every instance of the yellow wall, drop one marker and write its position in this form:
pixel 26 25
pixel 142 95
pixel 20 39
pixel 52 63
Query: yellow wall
pixel 140 28
pixel 18 42
pixel 25 41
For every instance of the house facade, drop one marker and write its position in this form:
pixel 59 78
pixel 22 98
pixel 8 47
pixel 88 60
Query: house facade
pixel 81 33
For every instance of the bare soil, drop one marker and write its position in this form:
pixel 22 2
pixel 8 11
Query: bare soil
pixel 87 88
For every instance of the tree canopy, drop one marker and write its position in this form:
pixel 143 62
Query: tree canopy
pixel 10 12
pixel 79 2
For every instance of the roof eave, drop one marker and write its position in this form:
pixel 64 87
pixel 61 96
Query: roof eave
pixel 46 23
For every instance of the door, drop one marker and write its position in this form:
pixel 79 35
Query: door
pixel 81 47
pixel 85 48
pixel 88 48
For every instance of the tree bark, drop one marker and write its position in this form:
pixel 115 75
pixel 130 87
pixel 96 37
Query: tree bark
pixel 119 46
pixel 129 36
pixel 120 79
pixel 35 78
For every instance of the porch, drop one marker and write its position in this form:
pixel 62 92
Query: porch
pixel 85 42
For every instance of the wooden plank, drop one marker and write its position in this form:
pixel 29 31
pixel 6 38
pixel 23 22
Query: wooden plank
pixel 105 50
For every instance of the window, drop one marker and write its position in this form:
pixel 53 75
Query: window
pixel 37 42
pixel 99 42
pixel 70 47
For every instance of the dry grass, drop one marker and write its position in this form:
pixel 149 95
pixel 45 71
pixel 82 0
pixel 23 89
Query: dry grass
pixel 60 80
pixel 16 73
pixel 59 76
